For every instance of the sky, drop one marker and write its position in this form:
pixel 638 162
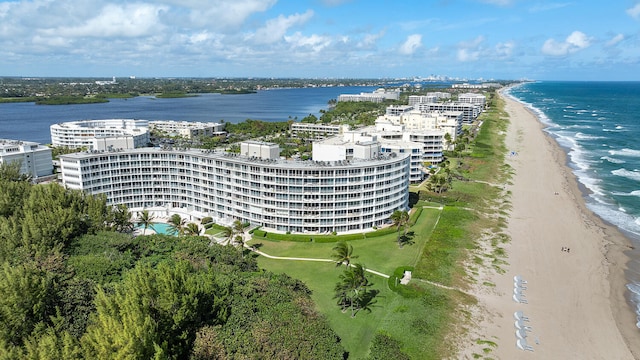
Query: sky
pixel 472 39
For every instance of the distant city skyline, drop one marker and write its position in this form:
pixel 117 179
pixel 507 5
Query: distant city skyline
pixel 489 39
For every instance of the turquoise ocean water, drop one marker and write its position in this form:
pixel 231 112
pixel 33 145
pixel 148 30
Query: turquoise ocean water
pixel 598 125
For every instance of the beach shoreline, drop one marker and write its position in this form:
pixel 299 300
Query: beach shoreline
pixel 573 261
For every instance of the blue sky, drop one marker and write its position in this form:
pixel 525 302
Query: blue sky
pixel 490 39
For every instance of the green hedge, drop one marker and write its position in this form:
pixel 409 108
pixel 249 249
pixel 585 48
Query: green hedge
pixel 381 232
pixel 416 214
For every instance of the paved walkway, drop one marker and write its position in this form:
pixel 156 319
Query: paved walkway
pixel 261 253
pixel 307 259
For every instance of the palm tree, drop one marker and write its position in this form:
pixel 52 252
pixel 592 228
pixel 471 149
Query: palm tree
pixel 177 224
pixel 146 220
pixel 192 229
pixel 400 218
pixel 239 242
pixel 227 232
pixel 238 227
pixel 352 287
pixel 343 253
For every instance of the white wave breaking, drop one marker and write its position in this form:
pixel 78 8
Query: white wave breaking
pixel 633 175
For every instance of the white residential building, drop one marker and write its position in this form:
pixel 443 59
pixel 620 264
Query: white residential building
pixel 413 120
pixel 431 97
pixel 469 111
pixel 367 143
pixel 440 95
pixel 77 134
pixel 417 99
pixel 315 131
pixel 188 129
pixel 35 159
pixel 279 195
pixel 378 96
pixel 470 86
pixel 473 98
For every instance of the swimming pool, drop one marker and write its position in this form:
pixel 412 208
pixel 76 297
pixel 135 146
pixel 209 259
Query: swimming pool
pixel 160 228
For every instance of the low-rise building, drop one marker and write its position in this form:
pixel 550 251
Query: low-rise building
pixel 470 112
pixel 315 131
pixel 35 159
pixel 79 134
pixel 378 96
pixel 188 129
pixel 473 98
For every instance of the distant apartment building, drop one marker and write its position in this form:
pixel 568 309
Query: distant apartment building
pixel 378 96
pixel 101 134
pixel 470 112
pixel 417 99
pixel 314 131
pixel 406 118
pixel 473 98
pixel 336 194
pixel 35 159
pixel 469 86
pixel 431 97
pixel 188 129
pixel 440 95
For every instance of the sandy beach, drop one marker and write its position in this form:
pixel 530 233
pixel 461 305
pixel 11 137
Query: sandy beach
pixel 575 297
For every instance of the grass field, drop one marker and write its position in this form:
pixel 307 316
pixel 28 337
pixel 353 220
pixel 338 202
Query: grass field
pixel 390 313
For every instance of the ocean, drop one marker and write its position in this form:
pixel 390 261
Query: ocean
pixel 27 121
pixel 598 125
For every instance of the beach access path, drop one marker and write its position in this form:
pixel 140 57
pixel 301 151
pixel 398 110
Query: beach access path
pixel 575 302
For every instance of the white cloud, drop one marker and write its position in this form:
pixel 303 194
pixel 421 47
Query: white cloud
pixel 413 43
pixel 369 40
pixel 466 55
pixel 575 42
pixel 218 14
pixel 114 20
pixel 504 50
pixel 614 40
pixel 634 11
pixel 313 42
pixel 275 29
pixel 470 50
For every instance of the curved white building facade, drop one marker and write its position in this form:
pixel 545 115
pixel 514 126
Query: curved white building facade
pixel 279 195
pixel 76 134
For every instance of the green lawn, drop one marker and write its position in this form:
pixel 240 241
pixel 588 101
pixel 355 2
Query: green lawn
pixel 391 312
pixel 380 253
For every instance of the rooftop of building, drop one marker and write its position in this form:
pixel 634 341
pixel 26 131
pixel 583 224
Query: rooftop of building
pixel 223 155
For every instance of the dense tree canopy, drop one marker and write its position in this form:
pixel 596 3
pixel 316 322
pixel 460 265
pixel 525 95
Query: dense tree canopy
pixel 75 288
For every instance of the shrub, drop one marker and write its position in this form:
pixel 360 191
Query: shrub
pixel 206 220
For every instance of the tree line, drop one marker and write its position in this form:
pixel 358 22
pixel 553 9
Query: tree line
pixel 76 284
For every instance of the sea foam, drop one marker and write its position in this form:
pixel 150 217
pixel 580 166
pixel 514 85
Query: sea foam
pixel 633 175
pixel 613 160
